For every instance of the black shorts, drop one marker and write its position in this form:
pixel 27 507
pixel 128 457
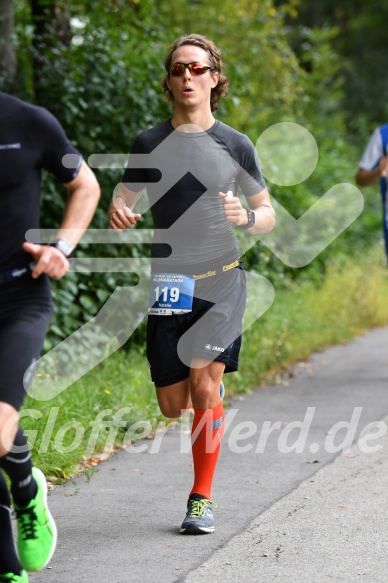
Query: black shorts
pixel 25 311
pixel 212 330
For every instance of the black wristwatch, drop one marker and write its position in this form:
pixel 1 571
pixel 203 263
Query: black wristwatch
pixel 251 219
pixel 63 246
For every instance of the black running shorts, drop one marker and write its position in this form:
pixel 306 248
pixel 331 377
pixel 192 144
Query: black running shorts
pixel 212 330
pixel 25 311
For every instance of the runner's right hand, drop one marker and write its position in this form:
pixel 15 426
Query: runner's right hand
pixel 122 219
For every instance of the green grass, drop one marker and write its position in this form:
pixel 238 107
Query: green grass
pixel 66 434
pixel 308 318
pixel 108 401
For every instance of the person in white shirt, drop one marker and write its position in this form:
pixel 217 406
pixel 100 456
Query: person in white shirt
pixel 373 167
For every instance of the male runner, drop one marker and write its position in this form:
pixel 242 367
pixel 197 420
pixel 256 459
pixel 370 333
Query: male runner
pixel 196 271
pixel 31 139
pixel 373 167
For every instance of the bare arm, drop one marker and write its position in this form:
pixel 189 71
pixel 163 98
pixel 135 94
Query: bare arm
pixel 368 177
pixel 83 195
pixel 121 215
pixel 261 205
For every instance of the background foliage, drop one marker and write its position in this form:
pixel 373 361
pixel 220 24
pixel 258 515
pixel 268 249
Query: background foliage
pixel 97 66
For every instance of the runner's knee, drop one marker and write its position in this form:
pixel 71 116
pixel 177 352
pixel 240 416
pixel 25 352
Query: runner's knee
pixel 203 391
pixel 9 419
pixel 173 401
pixel 171 412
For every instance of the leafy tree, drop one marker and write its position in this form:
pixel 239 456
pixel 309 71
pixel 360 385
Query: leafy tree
pixel 97 66
pixel 360 43
pixel 264 72
pixel 8 62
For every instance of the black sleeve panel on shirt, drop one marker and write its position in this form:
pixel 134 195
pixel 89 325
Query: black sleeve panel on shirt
pixel 135 178
pixel 51 141
pixel 241 149
pixel 251 181
pixel 237 145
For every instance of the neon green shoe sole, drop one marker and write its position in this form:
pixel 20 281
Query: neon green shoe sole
pixel 37 533
pixel 12 578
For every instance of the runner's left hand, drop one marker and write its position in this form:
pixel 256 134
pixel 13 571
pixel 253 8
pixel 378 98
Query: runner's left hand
pixel 49 260
pixel 233 209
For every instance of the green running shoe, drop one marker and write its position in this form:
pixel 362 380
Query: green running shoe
pixel 12 578
pixel 199 518
pixel 37 533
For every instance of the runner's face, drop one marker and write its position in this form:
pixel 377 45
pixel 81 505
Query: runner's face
pixel 189 91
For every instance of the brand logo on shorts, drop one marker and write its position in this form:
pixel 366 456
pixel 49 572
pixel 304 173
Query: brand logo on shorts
pixel 217 348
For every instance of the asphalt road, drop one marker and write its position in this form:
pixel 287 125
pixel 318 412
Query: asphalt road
pixel 301 497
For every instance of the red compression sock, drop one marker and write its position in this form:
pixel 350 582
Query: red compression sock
pixel 206 435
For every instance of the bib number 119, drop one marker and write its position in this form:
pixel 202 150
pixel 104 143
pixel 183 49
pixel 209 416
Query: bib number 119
pixel 171 293
pixel 166 294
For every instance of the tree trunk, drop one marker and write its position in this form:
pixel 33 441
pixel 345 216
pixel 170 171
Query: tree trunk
pixel 8 62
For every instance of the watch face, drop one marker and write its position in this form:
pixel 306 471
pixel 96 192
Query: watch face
pixel 63 246
pixel 251 218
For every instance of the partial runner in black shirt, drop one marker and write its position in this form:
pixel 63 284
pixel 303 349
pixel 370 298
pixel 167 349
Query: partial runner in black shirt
pixel 193 167
pixel 31 140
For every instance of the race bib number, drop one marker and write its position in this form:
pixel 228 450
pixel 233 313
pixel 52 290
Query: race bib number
pixel 171 293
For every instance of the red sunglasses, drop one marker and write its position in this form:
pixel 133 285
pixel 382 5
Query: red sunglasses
pixel 178 69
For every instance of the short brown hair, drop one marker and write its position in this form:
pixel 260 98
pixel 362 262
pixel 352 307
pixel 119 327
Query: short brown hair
pixel 214 53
